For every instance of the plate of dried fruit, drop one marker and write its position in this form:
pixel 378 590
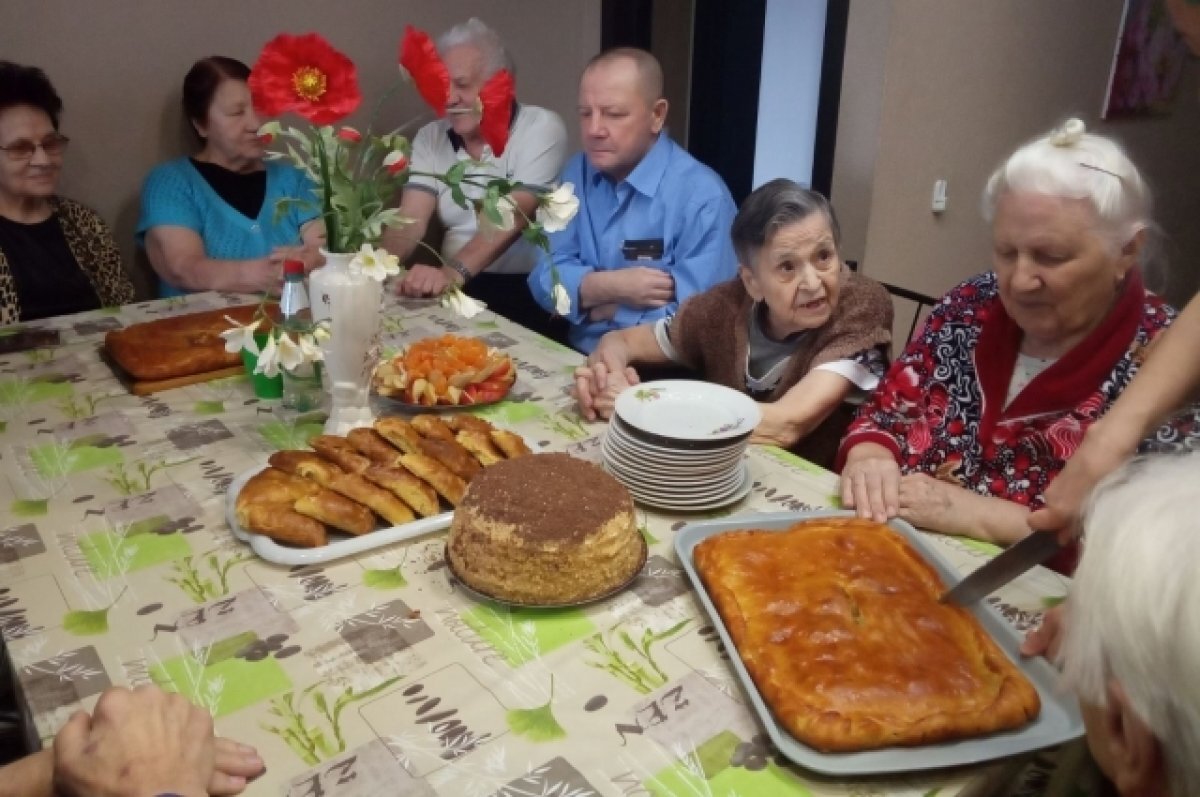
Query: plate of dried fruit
pixel 445 372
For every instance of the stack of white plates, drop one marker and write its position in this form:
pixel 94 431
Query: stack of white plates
pixel 678 444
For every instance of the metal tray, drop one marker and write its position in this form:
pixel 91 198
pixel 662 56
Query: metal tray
pixel 1058 722
pixel 340 545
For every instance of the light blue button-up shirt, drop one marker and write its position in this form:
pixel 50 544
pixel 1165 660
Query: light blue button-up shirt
pixel 668 195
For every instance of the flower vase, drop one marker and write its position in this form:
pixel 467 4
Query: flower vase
pixel 352 302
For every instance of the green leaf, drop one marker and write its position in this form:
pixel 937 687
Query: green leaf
pixel 385 579
pixel 536 724
pixel 489 210
pixel 460 199
pixel 673 630
pixel 29 507
pixel 208 407
pixel 646 535
pixel 1053 600
pixel 454 174
pixel 86 623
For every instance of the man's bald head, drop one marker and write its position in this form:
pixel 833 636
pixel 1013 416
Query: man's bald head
pixel 649 71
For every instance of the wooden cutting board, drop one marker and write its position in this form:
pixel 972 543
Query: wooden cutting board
pixel 140 387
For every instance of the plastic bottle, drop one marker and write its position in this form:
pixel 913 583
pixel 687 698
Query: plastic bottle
pixel 302 385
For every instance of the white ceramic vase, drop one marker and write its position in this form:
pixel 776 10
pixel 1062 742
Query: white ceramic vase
pixel 353 304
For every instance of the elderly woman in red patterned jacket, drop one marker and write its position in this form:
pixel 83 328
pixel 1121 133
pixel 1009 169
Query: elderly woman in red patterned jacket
pixel 977 417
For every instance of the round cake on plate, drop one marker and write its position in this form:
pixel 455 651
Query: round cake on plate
pixel 546 529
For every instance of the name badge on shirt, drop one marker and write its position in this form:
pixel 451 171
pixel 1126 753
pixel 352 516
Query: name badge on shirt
pixel 642 249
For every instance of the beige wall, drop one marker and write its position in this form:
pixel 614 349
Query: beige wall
pixel 946 89
pixel 118 65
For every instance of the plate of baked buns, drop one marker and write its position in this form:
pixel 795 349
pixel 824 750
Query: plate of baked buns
pixel 849 659
pixel 396 481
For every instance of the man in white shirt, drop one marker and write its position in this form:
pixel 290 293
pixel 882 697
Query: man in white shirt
pixel 490 264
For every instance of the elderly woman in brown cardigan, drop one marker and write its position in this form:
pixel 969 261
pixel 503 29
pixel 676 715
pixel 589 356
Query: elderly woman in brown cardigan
pixel 798 331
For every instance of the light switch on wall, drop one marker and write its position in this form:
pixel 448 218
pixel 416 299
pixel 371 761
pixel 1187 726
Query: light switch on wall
pixel 939 196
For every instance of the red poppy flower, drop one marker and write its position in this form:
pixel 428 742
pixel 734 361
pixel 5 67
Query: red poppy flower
pixel 496 99
pixel 420 59
pixel 304 75
pixel 349 135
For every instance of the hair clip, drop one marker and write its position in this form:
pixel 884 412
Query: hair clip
pixel 1099 169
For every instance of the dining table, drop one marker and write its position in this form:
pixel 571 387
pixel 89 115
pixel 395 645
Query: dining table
pixel 376 673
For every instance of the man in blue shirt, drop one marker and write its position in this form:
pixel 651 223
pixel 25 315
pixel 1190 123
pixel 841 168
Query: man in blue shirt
pixel 653 222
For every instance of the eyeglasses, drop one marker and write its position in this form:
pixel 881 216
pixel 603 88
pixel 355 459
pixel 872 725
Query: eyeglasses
pixel 23 149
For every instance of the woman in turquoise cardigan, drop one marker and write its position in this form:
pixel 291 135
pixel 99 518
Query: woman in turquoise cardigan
pixel 208 222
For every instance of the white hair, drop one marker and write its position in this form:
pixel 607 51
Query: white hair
pixel 475 33
pixel 1071 163
pixel 1134 610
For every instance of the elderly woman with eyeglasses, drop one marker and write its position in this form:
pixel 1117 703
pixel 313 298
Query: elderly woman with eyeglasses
pixel 56 255
pixel 980 413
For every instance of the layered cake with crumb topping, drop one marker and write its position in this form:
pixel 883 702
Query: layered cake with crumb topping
pixel 545 529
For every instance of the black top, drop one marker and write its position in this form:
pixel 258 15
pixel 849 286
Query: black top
pixel 243 191
pixel 48 279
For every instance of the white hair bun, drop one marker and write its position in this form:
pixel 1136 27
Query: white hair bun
pixel 1069 133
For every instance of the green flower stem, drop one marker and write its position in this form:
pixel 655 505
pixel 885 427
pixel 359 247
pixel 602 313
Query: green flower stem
pixel 331 222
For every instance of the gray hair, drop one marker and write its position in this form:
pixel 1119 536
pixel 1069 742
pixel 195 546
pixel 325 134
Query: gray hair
pixel 475 33
pixel 1133 611
pixel 771 207
pixel 1071 163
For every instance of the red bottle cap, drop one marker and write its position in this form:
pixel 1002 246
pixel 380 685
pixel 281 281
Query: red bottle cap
pixel 293 267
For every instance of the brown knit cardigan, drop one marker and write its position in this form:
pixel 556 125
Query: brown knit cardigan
pixel 711 334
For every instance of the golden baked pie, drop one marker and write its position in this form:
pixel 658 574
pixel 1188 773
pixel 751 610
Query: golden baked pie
pixel 178 346
pixel 839 624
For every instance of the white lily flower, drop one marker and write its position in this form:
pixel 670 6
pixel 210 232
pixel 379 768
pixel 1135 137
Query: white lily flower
pixel 557 208
pixel 241 337
pixel 378 264
pixel 290 355
pixel 310 348
pixel 562 299
pixel 460 303
pixel 320 332
pixel 268 359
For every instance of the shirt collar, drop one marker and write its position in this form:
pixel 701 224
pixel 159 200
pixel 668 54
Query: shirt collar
pixel 456 140
pixel 647 175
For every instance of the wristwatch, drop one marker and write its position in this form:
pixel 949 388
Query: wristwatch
pixel 460 269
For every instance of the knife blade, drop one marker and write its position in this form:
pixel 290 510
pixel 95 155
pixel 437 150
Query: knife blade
pixel 1033 550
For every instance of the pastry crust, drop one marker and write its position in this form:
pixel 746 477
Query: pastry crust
pixel 380 501
pixel 452 454
pixel 513 445
pixel 432 426
pixel 448 485
pixel 400 433
pixel 407 487
pixel 178 346
pixel 339 451
pixel 307 465
pixel 839 624
pixel 481 446
pixel 465 420
pixel 338 511
pixel 372 445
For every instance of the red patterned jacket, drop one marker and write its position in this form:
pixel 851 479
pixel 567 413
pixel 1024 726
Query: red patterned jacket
pixel 940 409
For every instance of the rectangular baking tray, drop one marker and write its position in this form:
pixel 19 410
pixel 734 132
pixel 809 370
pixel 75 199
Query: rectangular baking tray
pixel 340 545
pixel 1058 722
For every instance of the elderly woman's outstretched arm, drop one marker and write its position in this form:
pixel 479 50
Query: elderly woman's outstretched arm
pixel 1168 380
pixel 802 409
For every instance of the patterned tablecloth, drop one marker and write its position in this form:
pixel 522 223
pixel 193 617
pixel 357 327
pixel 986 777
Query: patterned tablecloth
pixel 370 675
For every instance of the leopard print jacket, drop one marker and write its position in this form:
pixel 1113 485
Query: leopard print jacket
pixel 92 244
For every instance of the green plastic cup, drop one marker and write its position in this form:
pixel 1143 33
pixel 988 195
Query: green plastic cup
pixel 265 387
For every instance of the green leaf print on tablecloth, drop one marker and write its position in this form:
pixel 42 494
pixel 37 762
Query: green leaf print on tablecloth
pixel 197 584
pixel 136 479
pixel 211 407
pixel 626 659
pixel 687 777
pixel 980 546
pixel 521 635
pixel 221 686
pixel 391 578
pixel 80 407
pixel 507 413
pixel 53 460
pixel 19 392
pixel 86 622
pixel 537 724
pixel 307 738
pixel 29 507
pixel 112 553
pixel 291 436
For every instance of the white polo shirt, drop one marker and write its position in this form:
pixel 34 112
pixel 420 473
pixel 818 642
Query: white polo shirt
pixel 536 149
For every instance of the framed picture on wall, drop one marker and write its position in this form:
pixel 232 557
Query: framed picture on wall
pixel 1149 61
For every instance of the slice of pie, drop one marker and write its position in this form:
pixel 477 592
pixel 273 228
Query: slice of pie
pixel 838 622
